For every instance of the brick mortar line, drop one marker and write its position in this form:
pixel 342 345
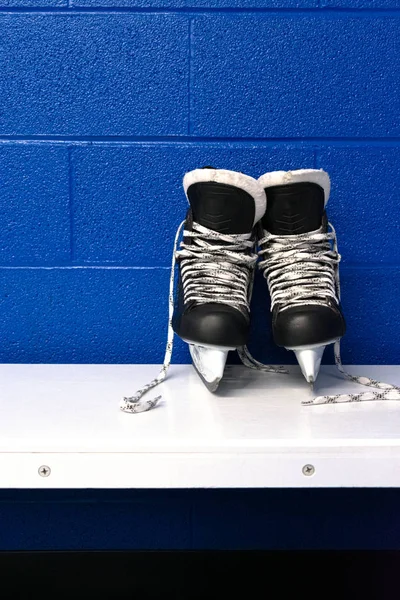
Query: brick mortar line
pixel 70 9
pixel 81 267
pixel 314 143
pixel 344 268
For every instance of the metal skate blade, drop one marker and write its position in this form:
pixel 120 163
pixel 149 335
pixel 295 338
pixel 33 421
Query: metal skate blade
pixel 309 360
pixel 209 364
pixel 212 386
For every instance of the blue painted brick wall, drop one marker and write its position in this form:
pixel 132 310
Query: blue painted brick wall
pixel 104 104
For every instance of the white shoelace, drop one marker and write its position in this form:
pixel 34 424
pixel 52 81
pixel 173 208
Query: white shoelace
pixel 304 269
pixel 301 269
pixel 387 390
pixel 215 267
pixel 135 404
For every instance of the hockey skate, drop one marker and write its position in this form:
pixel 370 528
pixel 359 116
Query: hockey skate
pixel 216 266
pixel 299 260
pixel 217 259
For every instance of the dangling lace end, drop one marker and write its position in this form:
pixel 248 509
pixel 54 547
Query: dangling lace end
pixel 389 394
pixel 135 404
pixel 388 391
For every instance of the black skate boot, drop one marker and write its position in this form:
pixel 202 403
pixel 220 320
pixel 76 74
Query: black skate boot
pixel 216 266
pixel 300 263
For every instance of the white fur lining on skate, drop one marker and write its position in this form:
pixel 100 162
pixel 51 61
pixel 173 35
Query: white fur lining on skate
pixel 318 176
pixel 239 180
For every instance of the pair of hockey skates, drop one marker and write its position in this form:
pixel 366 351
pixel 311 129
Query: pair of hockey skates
pixel 234 223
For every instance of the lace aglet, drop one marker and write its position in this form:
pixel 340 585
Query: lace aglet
pixel 135 404
pixel 318 400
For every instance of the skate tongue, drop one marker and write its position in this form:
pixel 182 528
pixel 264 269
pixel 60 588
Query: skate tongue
pixel 294 208
pixel 221 207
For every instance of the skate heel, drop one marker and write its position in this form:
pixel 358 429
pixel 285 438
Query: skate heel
pixel 309 359
pixel 209 363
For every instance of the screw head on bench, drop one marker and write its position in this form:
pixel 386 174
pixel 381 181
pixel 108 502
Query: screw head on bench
pixel 44 471
pixel 308 470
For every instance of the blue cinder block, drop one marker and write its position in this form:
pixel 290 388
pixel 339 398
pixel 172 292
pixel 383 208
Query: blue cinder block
pixel 357 4
pixel 119 315
pixel 295 76
pixel 33 3
pixel 364 203
pixel 34 200
pixel 372 310
pixel 88 74
pixel 134 520
pixel 239 4
pixel 296 519
pixel 84 315
pixel 129 200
